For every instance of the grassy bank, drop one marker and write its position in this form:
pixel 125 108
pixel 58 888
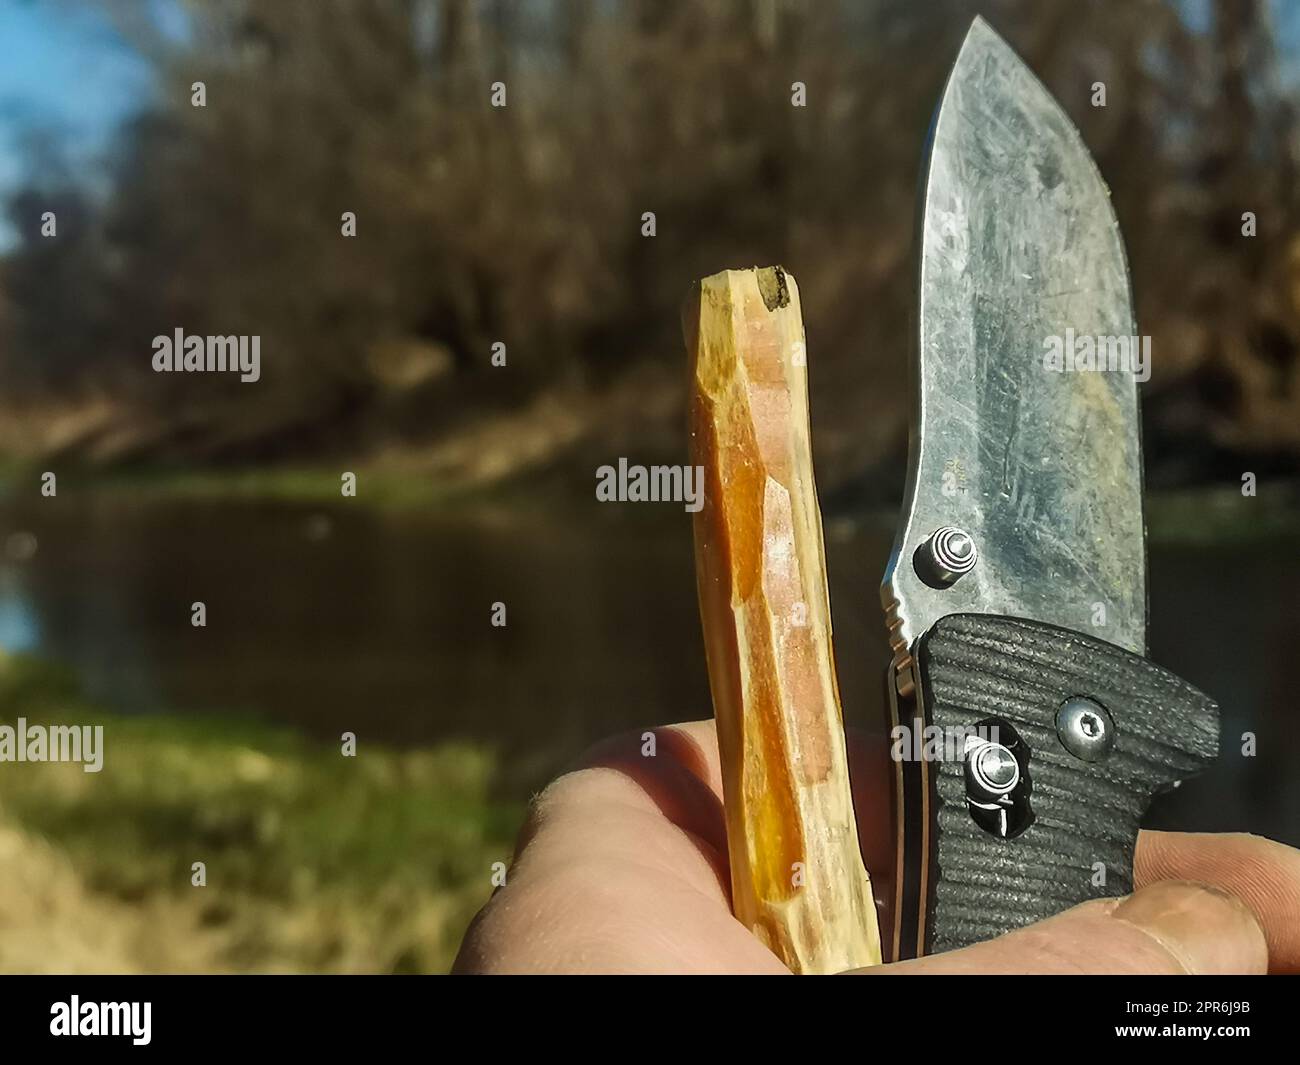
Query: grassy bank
pixel 288 484
pixel 315 861
pixel 1200 515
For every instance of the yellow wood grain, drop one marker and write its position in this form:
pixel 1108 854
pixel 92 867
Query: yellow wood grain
pixel 796 869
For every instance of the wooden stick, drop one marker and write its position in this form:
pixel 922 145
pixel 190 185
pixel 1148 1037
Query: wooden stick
pixel 796 869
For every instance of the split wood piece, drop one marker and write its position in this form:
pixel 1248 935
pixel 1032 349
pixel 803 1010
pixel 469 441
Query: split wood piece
pixel 796 869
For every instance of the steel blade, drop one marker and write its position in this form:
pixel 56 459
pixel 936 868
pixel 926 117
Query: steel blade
pixel 1043 469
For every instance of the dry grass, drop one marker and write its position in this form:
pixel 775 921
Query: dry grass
pixel 315 862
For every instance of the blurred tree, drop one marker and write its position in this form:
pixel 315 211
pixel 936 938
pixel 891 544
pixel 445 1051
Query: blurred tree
pixel 522 224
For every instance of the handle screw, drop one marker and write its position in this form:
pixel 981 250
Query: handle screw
pixel 1085 729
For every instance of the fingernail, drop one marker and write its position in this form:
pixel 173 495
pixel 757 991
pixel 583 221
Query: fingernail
pixel 1204 929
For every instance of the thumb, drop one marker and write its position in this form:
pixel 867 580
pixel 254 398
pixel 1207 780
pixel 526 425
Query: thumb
pixel 1173 926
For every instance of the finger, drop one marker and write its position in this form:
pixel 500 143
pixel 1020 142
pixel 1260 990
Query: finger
pixel 1167 927
pixel 683 782
pixel 621 867
pixel 653 797
pixel 1264 874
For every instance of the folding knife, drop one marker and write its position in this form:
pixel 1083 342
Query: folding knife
pixel 1015 596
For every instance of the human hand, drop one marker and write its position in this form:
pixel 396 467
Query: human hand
pixel 622 867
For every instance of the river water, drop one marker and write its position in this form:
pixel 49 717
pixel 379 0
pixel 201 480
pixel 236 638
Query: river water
pixel 342 617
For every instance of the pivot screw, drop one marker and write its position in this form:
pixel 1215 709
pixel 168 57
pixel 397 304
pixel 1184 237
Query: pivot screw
pixel 997 779
pixel 996 769
pixel 947 555
pixel 1085 729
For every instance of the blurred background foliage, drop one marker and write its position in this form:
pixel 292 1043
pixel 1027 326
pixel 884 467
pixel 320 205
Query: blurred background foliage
pixel 523 225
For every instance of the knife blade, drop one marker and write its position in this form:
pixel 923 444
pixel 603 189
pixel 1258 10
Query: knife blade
pixel 1015 596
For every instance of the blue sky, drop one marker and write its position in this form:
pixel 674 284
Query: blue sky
pixel 62 66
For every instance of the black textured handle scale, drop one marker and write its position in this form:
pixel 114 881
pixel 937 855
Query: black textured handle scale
pixel 1082 816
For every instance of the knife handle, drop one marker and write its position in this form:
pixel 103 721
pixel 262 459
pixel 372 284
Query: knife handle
pixel 1017 824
